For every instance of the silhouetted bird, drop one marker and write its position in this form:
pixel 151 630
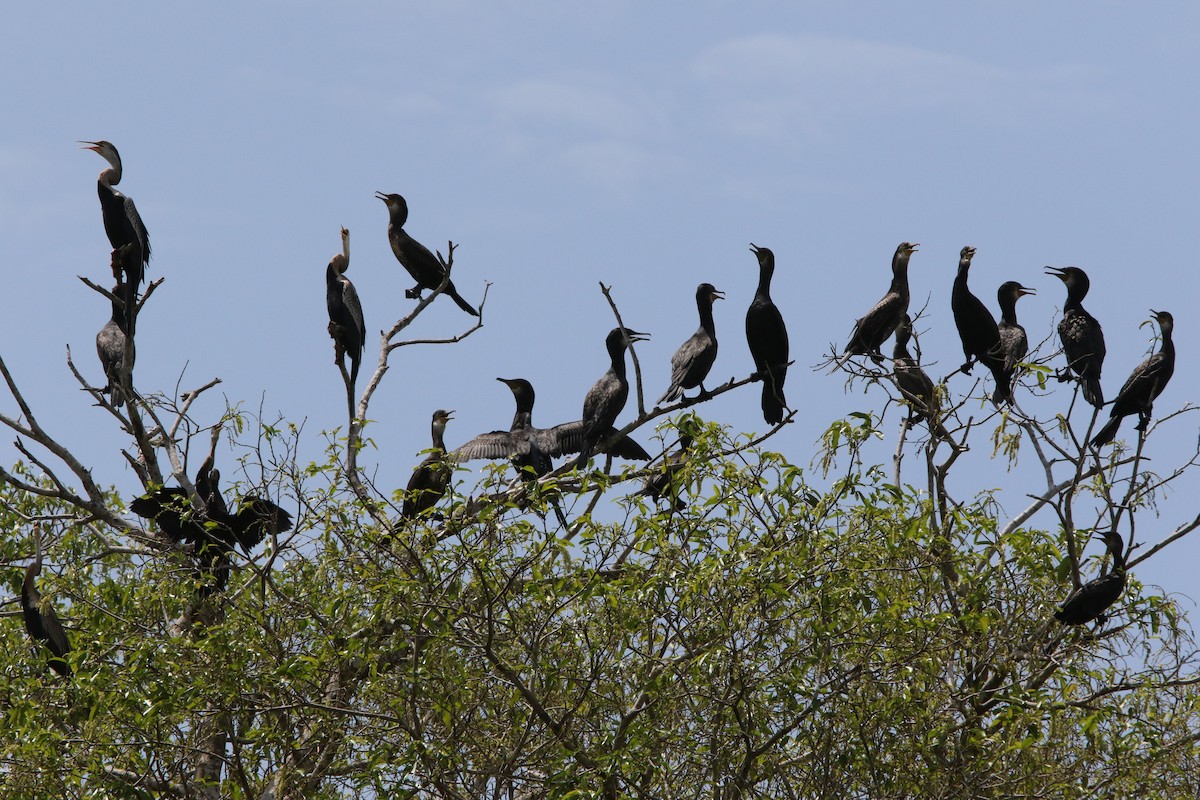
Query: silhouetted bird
pixel 41 620
pixel 1082 337
pixel 1092 599
pixel 914 384
pixel 694 358
pixel 122 223
pixel 431 477
pixel 415 257
pixel 873 329
pixel 1014 344
pixel 977 329
pixel 110 346
pixel 346 325
pixel 605 400
pixel 665 482
pixel 531 449
pixel 767 337
pixel 1144 385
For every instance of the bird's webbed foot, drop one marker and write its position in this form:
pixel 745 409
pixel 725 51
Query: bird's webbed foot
pixel 413 293
pixel 1063 375
pixel 967 366
pixel 1143 420
pixel 876 356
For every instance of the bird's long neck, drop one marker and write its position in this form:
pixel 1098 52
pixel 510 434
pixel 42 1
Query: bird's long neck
pixel 1115 548
pixel 1008 310
pixel 1168 344
pixel 616 352
pixel 439 429
pixel 900 275
pixel 521 420
pixel 900 348
pixel 765 271
pixel 960 280
pixel 705 307
pixel 111 176
pixel 1075 293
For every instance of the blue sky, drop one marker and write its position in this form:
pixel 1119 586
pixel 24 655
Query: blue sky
pixel 561 145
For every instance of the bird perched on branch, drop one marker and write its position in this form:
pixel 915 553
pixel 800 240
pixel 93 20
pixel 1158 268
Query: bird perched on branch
pixel 978 330
pixel 41 620
pixel 605 400
pixel 110 346
pixel 1144 385
pixel 665 482
pixel 873 329
pixel 1089 601
pixel 122 223
pixel 432 476
pixel 425 268
pixel 767 338
pixel 1014 343
pixel 346 325
pixel 1081 335
pixel 916 386
pixel 694 358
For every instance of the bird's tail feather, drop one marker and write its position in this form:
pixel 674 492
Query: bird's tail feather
pixel 463 304
pixel 1107 433
pixel 1092 392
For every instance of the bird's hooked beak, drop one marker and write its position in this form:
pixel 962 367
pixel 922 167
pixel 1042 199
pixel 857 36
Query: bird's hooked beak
pixel 1057 272
pixel 383 197
pixel 1024 290
pixel 717 294
pixel 754 248
pixel 90 145
pixel 636 336
pixel 912 248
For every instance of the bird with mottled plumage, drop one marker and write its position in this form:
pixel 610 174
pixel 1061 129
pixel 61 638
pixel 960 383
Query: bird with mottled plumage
pixel 874 328
pixel 110 347
pixel 1014 343
pixel 346 325
pixel 1144 385
pixel 766 335
pixel 422 265
pixel 1089 601
pixel 605 400
pixel 41 620
pixel 694 358
pixel 1081 335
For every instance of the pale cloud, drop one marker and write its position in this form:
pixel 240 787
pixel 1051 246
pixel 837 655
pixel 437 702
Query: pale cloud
pixel 774 85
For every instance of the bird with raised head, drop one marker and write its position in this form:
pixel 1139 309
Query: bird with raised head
pixel 1089 601
pixel 694 358
pixel 874 328
pixel 1081 335
pixel 766 335
pixel 605 400
pixel 1144 384
pixel 346 325
pixel 1014 343
pixel 122 223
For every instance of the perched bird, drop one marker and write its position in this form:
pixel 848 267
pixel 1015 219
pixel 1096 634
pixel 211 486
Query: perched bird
pixel 1014 344
pixel 122 223
pixel 978 330
pixel 1091 600
pixel 532 449
pixel 1144 385
pixel 665 482
pixel 605 400
pixel 41 620
pixel 346 325
pixel 877 325
pixel 110 346
pixel 431 477
pixel 767 337
pixel 1082 337
pixel 171 508
pixel 415 257
pixel 695 357
pixel 916 386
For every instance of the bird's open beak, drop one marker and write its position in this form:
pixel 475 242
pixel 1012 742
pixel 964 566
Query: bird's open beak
pixel 637 336
pixel 717 294
pixel 1024 290
pixel 1057 272
pixel 90 145
pixel 381 196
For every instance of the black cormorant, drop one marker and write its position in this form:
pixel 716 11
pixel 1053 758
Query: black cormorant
pixel 665 482
pixel 1145 383
pixel 605 400
pixel 767 337
pixel 977 329
pixel 1090 601
pixel 531 449
pixel 916 386
pixel 877 325
pixel 110 346
pixel 415 257
pixel 1082 337
pixel 431 477
pixel 122 223
pixel 41 620
pixel 1014 344
pixel 695 357
pixel 346 325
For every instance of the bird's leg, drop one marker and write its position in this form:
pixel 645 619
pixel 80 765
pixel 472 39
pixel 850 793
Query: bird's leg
pixel 967 365
pixel 413 293
pixel 1144 417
